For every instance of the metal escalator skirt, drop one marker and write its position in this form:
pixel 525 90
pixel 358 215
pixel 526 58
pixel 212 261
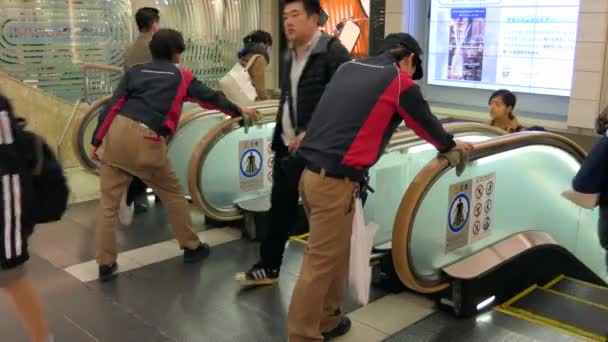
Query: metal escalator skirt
pixel 497 254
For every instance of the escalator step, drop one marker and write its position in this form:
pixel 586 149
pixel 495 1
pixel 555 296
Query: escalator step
pixel 565 312
pixel 589 292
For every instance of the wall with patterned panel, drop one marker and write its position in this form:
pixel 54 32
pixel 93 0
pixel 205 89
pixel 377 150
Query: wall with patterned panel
pixel 213 30
pixel 43 42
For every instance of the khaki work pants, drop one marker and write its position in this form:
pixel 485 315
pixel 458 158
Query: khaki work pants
pixel 130 149
pixel 319 292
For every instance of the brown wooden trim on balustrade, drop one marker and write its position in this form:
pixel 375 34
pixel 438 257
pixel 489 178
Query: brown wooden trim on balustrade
pixel 429 175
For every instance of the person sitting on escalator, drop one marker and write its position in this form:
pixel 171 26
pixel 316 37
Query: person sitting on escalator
pixel 501 105
pixel 590 185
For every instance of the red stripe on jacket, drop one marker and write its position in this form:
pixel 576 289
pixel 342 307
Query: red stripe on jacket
pixel 365 148
pixel 103 130
pixel 175 112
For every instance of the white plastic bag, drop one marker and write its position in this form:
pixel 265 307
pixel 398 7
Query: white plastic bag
pixel 361 243
pixel 237 85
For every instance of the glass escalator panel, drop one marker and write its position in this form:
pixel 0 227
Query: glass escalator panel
pixel 224 177
pixel 525 195
pixel 185 140
pixel 391 176
pixel 229 174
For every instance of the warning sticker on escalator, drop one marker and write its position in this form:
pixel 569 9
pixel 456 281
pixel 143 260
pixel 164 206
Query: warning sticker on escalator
pixel 251 164
pixel 268 165
pixel 482 227
pixel 459 216
pixel 470 212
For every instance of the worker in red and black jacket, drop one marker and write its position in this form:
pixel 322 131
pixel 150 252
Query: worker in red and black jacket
pixel 352 124
pixel 130 140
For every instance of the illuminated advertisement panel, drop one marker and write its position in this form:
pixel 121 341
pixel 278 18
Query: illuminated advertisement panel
pixel 526 46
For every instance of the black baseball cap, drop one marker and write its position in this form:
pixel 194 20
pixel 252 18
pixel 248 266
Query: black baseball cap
pixel 406 40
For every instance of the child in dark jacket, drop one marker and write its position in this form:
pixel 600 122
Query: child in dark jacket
pixel 590 185
pixel 17 221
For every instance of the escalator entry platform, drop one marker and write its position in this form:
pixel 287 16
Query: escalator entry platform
pixel 572 306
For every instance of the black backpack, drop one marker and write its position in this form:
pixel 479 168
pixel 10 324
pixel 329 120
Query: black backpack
pixel 50 185
pixel 44 191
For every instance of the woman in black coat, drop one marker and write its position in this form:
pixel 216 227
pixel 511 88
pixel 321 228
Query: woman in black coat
pixel 17 222
pixel 590 185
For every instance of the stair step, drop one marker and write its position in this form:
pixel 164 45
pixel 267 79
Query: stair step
pixel 564 311
pixel 583 290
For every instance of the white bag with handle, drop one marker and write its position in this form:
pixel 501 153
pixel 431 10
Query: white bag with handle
pixel 361 243
pixel 237 85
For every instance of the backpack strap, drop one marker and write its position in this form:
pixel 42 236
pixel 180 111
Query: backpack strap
pixel 39 148
pixel 252 60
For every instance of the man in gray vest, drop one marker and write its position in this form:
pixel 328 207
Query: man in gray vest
pixel 148 23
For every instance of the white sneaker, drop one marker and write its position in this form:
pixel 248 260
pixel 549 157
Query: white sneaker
pixel 125 213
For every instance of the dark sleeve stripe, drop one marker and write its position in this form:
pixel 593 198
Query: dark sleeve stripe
pixel 418 129
pixel 417 115
pixel 105 126
pixel 189 77
pixel 210 106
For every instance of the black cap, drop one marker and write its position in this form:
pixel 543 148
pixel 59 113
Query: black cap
pixel 406 40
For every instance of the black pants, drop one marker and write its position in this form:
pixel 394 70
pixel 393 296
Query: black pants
pixel 137 188
pixel 283 211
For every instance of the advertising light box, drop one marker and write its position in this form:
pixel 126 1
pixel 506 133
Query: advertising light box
pixel 523 45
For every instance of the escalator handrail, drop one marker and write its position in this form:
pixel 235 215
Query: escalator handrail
pixel 429 175
pixel 86 67
pixel 408 136
pixel 201 151
pixel 103 67
pixel 81 151
pixel 198 157
pixel 198 113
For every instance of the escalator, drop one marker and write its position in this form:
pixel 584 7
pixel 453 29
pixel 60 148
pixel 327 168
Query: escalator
pixel 565 309
pixel 568 304
pixel 218 191
pixel 205 153
pixel 538 264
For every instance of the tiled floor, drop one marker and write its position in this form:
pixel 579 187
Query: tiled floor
pixel 158 298
pixel 489 326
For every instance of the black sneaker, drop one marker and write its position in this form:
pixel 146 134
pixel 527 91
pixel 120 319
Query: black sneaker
pixel 342 328
pixel 107 272
pixel 259 275
pixel 195 255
